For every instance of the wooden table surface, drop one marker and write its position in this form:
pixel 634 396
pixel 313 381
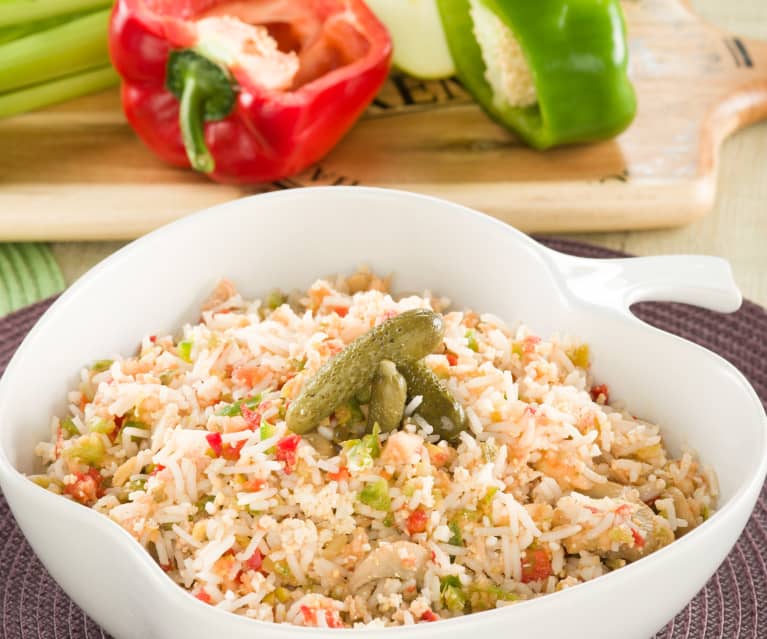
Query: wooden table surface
pixel 735 230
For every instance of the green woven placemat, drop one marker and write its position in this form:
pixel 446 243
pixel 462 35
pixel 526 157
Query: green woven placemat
pixel 28 273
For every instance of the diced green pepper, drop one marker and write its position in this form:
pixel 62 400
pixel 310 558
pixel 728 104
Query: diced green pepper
pixel 185 350
pixel 279 568
pixel 105 426
pixel 360 453
pixel 167 376
pixel 203 501
pixel 282 594
pixel 452 593
pixel 574 52
pixel 135 423
pixel 265 431
pixel 275 299
pixel 99 366
pixel 485 596
pixel 88 449
pixel 68 426
pixel 471 341
pixel 389 520
pixel 456 539
pixel 234 409
pixel 579 356
pixel 136 484
pixel 45 481
pixel 484 502
pixel 298 364
pixel 376 495
pixel 489 450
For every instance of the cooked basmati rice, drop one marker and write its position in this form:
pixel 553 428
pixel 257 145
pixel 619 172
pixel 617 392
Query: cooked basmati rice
pixel 185 445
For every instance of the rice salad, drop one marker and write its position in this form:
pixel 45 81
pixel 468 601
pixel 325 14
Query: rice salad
pixel 545 485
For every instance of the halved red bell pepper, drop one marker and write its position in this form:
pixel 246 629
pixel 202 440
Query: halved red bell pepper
pixel 246 90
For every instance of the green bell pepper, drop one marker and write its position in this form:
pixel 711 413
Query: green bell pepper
pixel 573 52
pixel 420 48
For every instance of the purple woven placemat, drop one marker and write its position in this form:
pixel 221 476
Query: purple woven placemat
pixel 32 606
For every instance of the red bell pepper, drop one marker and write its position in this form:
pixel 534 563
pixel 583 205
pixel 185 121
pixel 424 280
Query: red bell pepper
pixel 246 90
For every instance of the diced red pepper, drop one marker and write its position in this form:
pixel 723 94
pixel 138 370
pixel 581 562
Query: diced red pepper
pixel 341 475
pixel 253 485
pixel 250 374
pixel 153 339
pixel 341 311
pixel 253 417
pixel 600 390
pixel 639 541
pixel 332 620
pixel 87 487
pixel 156 469
pixel 286 452
pixel 231 452
pixel 203 596
pixel 529 343
pixel 215 443
pixel 536 565
pixel 114 434
pixel 452 358
pixel 309 615
pixel 624 510
pixel 255 561
pixel 416 522
pixel 430 615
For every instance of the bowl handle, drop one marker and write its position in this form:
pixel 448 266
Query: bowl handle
pixel 618 283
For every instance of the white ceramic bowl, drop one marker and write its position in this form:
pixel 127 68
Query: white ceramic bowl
pixel 287 239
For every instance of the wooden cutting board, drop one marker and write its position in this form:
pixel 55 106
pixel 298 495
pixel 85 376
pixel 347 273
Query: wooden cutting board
pixel 76 171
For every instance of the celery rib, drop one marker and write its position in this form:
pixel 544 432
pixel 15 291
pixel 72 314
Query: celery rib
pixel 22 11
pixel 58 90
pixel 62 50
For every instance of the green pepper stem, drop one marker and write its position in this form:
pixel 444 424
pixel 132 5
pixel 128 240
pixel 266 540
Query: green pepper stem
pixel 191 112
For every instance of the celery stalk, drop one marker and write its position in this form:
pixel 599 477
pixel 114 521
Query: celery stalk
pixel 68 48
pixel 22 11
pixel 58 90
pixel 16 31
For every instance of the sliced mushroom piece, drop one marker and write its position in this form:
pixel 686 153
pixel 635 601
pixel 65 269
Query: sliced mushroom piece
pixel 399 560
pixel 683 510
pixel 609 489
pixel 653 529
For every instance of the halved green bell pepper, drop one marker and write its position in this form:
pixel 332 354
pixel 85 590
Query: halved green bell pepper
pixel 577 55
pixel 420 48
